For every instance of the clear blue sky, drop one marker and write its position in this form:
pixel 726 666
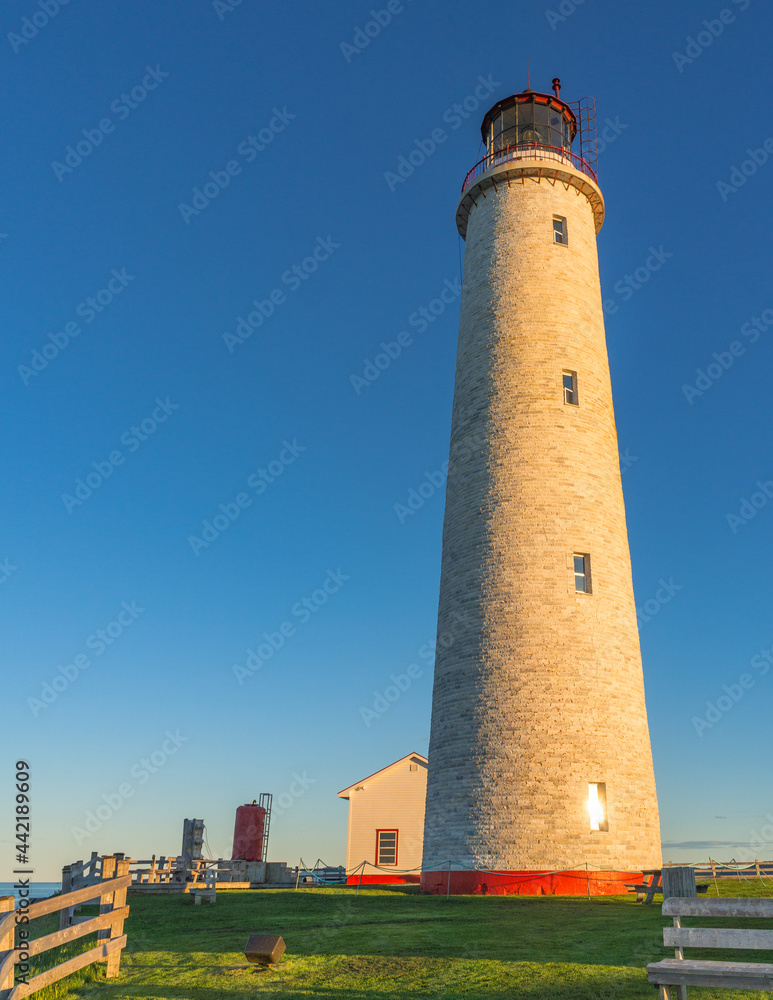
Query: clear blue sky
pixel 104 222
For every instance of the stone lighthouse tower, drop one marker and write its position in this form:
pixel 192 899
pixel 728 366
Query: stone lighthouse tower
pixel 539 757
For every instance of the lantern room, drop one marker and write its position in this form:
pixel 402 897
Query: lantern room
pixel 529 119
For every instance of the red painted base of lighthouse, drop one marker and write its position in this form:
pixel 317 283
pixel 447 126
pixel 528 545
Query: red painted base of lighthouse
pixel 383 879
pixel 576 882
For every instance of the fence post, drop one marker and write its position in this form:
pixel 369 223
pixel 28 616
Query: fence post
pixel 116 928
pixel 714 873
pixel 210 884
pixel 106 902
pixel 7 941
pixel 65 914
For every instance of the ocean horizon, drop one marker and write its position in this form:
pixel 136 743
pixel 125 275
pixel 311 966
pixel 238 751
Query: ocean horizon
pixel 38 890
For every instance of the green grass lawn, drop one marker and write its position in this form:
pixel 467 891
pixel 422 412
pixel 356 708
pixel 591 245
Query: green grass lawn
pixel 392 943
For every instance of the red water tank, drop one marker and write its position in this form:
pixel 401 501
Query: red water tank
pixel 248 833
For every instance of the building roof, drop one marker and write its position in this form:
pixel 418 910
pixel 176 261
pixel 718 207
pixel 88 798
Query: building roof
pixel 344 793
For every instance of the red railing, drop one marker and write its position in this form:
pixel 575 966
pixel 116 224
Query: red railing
pixel 530 151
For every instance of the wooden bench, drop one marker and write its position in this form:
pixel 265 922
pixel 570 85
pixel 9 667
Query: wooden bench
pixel 207 890
pixel 682 972
pixel 645 893
pixel 203 893
pixel 646 890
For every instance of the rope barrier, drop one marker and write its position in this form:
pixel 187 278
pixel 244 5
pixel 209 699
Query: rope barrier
pixel 578 871
pixel 457 866
pixel 324 879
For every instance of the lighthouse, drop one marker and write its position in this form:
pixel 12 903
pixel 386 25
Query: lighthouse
pixel 540 768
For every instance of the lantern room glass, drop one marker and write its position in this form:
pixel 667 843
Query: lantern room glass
pixel 529 123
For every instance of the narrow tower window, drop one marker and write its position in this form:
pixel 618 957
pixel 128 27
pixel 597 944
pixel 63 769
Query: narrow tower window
pixel 597 806
pixel 581 573
pixel 570 388
pixel 559 229
pixel 386 847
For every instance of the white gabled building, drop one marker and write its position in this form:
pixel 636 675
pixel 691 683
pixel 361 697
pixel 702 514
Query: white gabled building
pixel 386 822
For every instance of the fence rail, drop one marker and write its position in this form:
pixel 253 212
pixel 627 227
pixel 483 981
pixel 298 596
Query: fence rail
pixel 108 926
pixel 158 870
pixel 732 869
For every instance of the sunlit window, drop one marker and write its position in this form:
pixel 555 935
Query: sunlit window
pixel 597 806
pixel 582 573
pixel 570 388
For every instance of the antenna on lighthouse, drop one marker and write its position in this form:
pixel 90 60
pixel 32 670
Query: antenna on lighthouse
pixel 556 85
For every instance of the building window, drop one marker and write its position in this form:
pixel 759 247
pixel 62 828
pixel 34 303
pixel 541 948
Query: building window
pixel 597 806
pixel 582 573
pixel 570 388
pixel 386 847
pixel 413 767
pixel 559 229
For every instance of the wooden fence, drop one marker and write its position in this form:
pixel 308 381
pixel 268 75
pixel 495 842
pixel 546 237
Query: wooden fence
pixel 111 895
pixel 731 869
pixel 160 870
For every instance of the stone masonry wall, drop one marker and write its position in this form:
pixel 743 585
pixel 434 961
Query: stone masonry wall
pixel 538 690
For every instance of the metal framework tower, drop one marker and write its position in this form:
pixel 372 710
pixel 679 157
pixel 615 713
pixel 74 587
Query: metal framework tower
pixel 266 801
pixel 539 754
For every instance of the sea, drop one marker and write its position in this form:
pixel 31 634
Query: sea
pixel 38 890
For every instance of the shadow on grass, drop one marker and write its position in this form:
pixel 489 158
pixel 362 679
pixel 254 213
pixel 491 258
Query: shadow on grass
pixel 391 946
pixel 367 976
pixel 607 931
